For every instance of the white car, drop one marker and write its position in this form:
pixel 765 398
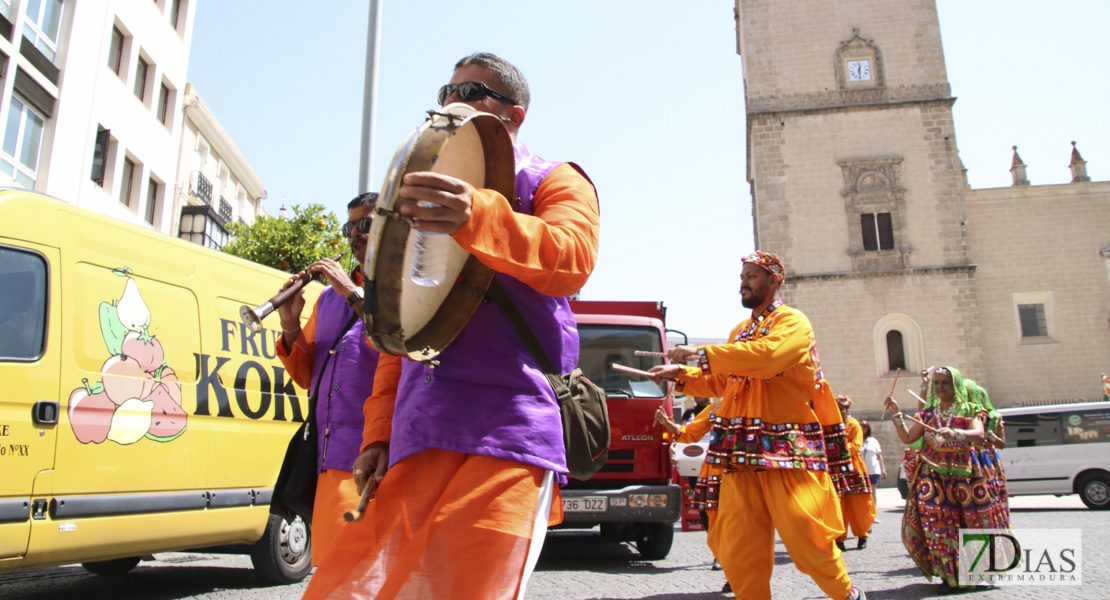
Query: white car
pixel 688 458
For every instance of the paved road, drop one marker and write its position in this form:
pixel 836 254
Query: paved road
pixel 576 568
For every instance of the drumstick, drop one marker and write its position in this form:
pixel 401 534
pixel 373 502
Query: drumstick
pixel 619 367
pixel 646 353
pixel 367 493
pixel 896 373
pixel 918 397
pixel 933 429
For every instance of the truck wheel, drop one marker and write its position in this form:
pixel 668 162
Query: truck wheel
pixel 1095 491
pixel 655 540
pixel 284 554
pixel 119 566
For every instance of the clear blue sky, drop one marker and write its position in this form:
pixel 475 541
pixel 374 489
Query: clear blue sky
pixel 646 95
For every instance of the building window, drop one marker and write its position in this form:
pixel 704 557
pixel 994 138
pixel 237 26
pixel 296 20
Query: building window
pixel 115 51
pixel 895 350
pixel 100 155
pixel 151 201
pixel 44 19
pixel 878 231
pixel 175 12
pixel 127 184
pixel 140 78
pixel 1033 322
pixel 22 142
pixel 1035 318
pixel 164 105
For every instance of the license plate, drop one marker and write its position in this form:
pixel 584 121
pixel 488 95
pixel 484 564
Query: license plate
pixel 585 505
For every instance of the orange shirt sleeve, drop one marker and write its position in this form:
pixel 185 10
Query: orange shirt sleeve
pixel 378 409
pixel 695 429
pixel 855 436
pixel 553 250
pixel 298 362
pixel 787 345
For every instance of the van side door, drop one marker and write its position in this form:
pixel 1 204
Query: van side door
pixel 30 334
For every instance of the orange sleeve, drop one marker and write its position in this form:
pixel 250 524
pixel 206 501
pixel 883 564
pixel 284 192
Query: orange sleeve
pixel 693 382
pixel 553 250
pixel 298 362
pixel 787 345
pixel 855 436
pixel 378 408
pixel 696 429
pixel 707 385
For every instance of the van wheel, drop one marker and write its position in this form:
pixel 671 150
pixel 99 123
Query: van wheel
pixel 1095 491
pixel 109 568
pixel 284 554
pixel 654 542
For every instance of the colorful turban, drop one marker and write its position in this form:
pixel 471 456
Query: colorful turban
pixel 844 401
pixel 769 262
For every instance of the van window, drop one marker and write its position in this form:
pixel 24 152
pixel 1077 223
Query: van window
pixel 22 304
pixel 1034 430
pixel 1087 426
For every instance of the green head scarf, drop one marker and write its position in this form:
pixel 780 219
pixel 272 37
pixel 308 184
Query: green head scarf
pixel 978 397
pixel 957 383
pixel 963 406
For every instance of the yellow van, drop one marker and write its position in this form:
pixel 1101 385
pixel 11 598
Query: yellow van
pixel 138 414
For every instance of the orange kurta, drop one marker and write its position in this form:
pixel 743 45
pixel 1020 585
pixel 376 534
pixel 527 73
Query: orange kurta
pixel 770 443
pixel 452 525
pixel 857 503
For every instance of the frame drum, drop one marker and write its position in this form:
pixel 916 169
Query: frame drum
pixel 402 317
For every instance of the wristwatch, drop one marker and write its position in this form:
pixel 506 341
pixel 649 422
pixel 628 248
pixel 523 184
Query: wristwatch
pixel 355 297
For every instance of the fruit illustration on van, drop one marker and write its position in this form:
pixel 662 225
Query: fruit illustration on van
pixel 138 395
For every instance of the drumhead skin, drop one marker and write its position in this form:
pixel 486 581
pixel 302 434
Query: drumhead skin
pixel 402 317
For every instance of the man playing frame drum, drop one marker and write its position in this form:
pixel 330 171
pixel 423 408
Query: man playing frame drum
pixel 467 456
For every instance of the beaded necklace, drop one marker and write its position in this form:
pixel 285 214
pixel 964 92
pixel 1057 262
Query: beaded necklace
pixel 757 325
pixel 944 417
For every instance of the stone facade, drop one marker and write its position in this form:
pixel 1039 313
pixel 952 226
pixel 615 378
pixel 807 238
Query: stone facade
pixel 856 183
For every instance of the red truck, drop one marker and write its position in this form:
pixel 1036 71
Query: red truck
pixel 633 497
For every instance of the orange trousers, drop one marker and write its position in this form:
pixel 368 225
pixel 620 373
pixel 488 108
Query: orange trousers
pixel 335 494
pixel 858 511
pixel 443 525
pixel 802 506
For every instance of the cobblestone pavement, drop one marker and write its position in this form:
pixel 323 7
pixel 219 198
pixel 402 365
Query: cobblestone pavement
pixel 578 568
pixel 574 570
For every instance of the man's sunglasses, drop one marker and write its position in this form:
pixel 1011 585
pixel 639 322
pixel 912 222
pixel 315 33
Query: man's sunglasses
pixel 362 225
pixel 470 91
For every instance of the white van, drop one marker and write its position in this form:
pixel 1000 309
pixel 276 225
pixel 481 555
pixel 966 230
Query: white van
pixel 1061 449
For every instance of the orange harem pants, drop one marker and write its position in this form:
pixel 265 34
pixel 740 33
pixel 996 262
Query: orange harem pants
pixel 802 506
pixel 443 525
pixel 858 511
pixel 336 493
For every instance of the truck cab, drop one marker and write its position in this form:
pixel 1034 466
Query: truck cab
pixel 633 497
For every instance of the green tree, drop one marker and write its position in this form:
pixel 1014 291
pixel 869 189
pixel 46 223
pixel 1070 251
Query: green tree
pixel 289 244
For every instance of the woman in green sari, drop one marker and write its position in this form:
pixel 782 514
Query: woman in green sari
pixel 950 490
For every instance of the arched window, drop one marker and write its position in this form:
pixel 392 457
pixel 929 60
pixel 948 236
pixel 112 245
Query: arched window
pixel 895 350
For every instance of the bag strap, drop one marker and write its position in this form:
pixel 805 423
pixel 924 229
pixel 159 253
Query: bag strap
pixel 508 308
pixel 324 367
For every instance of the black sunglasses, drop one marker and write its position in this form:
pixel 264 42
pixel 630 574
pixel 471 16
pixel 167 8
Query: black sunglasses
pixel 470 91
pixel 362 225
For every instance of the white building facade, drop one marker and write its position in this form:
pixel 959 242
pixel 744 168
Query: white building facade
pixel 92 99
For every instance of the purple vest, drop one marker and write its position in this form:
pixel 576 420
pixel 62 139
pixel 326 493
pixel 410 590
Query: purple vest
pixel 487 396
pixel 344 385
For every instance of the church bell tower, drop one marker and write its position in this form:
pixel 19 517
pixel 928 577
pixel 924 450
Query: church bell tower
pixel 857 185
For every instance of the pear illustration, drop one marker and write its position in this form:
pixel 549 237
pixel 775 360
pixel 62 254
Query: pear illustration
pixel 131 309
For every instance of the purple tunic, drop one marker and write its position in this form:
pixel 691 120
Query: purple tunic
pixel 487 396
pixel 347 382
